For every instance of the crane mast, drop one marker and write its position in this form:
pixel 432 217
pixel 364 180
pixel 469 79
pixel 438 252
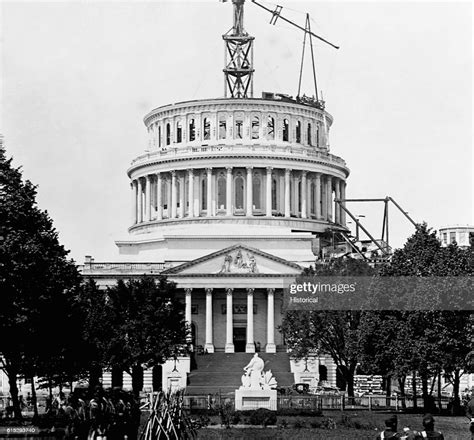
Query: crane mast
pixel 238 70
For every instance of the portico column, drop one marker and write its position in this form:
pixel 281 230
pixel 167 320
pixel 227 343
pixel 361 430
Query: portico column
pixel 337 210
pixel 187 310
pixel 209 192
pixel 133 186
pixel 229 342
pixel 287 192
pixel 209 346
pixel 159 201
pixel 317 201
pixel 271 347
pixel 182 192
pixel 249 192
pixel 250 347
pixel 343 197
pixel 190 193
pixel 329 196
pixel 228 187
pixel 269 192
pixel 173 194
pixel 147 198
pixel 304 198
pixel 140 200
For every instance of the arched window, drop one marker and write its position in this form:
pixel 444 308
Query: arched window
pixel 255 127
pixel 310 142
pixel 204 193
pixel 286 130
pixel 270 128
pixel 239 192
pixel 206 129
pixel 239 128
pixel 298 132
pixel 221 192
pixel 274 194
pixel 192 130
pixel 222 127
pixel 317 135
pixel 168 134
pixel 179 132
pixel 256 192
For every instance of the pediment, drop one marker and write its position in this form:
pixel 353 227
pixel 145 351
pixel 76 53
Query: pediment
pixel 237 260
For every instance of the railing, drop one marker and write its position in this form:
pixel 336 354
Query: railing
pixel 123 267
pixel 190 150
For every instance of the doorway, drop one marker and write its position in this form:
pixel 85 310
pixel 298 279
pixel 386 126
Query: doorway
pixel 240 339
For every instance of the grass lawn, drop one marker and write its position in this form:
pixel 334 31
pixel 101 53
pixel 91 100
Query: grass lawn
pixel 356 425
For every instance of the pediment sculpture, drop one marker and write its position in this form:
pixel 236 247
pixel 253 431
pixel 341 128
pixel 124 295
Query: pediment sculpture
pixel 239 263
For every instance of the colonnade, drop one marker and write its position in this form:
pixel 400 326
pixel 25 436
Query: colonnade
pixel 237 191
pixel 270 346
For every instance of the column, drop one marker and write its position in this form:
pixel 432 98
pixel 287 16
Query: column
pixel 209 191
pixel 337 209
pixel 343 197
pixel 168 192
pixel 271 347
pixel 249 192
pixel 190 193
pixel 228 189
pixel 229 341
pixel 209 346
pixel 287 192
pixel 187 311
pixel 329 197
pixel 147 198
pixel 317 196
pixel 173 201
pixel 250 347
pixel 213 195
pixel 269 192
pixel 140 201
pixel 324 201
pixel 303 195
pixel 159 201
pixel 182 192
pixel 133 186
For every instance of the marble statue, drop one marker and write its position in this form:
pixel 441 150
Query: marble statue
pixel 255 378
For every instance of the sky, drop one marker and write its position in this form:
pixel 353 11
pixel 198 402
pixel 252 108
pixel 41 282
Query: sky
pixel 78 77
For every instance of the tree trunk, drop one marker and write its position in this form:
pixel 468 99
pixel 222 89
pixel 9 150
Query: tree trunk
pixel 457 399
pixel 424 389
pixel 413 385
pixel 388 389
pixel 95 372
pixel 440 403
pixel 349 377
pixel 33 398
pixel 137 379
pixel 401 384
pixel 12 377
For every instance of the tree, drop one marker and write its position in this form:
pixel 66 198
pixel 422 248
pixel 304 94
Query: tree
pixel 36 281
pixel 140 323
pixel 331 331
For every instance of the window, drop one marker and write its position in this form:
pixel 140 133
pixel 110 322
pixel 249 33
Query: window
pixel 192 130
pixel 452 237
pixel 286 130
pixel 239 192
pixel 222 128
pixel 204 193
pixel 309 135
pixel 312 194
pixel 168 134
pixel 179 132
pixel 323 373
pixel 445 237
pixel 239 128
pixel 159 136
pixel 256 192
pixel 274 194
pixel 164 193
pixel 270 128
pixel 221 192
pixel 299 196
pixel 207 129
pixel 255 127
pixel 298 132
pixel 317 135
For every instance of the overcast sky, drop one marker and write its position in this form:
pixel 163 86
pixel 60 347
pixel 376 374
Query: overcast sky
pixel 78 77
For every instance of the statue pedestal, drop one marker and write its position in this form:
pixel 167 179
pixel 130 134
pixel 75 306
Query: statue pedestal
pixel 247 399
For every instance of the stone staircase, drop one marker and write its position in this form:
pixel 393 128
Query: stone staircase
pixel 222 372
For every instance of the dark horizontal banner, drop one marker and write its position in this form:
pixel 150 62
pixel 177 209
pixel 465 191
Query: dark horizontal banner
pixel 380 293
